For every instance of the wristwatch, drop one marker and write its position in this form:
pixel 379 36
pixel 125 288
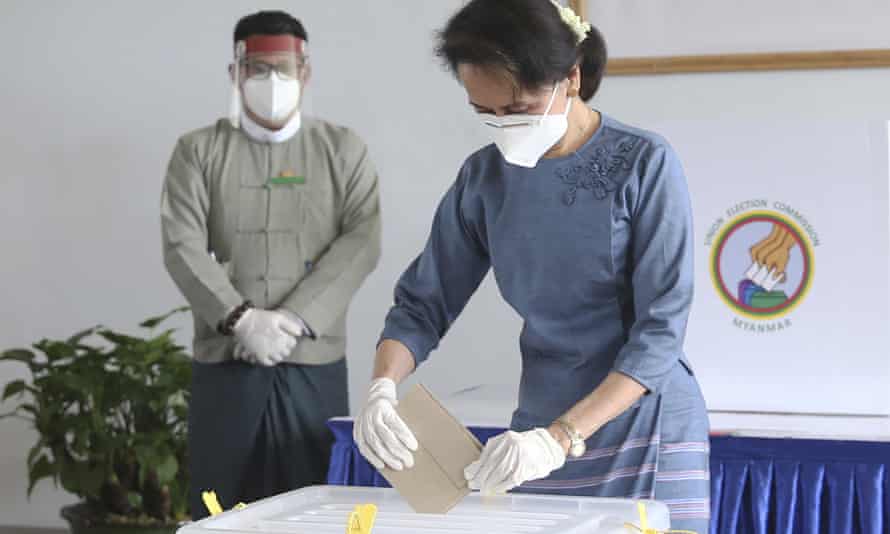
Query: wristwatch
pixel 577 446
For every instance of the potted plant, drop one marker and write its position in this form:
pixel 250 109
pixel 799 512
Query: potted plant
pixel 110 412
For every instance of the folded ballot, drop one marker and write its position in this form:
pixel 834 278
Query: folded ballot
pixel 436 482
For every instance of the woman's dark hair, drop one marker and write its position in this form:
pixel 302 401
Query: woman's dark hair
pixel 527 39
pixel 269 23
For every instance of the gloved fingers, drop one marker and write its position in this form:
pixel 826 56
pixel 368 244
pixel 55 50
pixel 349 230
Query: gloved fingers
pixel 289 326
pixel 289 339
pixel 382 452
pixel 504 478
pixel 491 463
pixel 509 483
pixel 401 431
pixel 391 450
pixel 249 357
pixel 499 473
pixel 285 348
pixel 278 350
pixel 366 451
pixel 470 474
pixel 243 353
pixel 491 446
pixel 270 359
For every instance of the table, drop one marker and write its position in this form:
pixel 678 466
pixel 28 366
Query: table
pixel 758 485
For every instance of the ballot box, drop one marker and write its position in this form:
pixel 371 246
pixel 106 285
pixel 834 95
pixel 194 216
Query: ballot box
pixel 323 509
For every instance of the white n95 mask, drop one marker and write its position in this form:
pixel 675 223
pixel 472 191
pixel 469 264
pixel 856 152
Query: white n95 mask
pixel 272 99
pixel 524 139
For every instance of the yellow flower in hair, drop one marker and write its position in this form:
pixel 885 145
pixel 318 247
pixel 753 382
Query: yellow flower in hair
pixel 573 21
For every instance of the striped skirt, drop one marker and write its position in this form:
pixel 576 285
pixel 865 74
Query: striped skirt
pixel 658 449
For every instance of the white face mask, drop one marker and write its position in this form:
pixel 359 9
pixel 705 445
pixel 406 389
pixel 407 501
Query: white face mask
pixel 272 99
pixel 524 139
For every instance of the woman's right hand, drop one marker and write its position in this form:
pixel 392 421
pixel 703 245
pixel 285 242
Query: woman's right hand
pixel 381 435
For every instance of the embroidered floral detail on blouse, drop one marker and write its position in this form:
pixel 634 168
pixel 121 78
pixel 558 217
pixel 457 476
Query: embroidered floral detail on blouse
pixel 597 172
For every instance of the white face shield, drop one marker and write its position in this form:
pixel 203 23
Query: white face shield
pixel 266 79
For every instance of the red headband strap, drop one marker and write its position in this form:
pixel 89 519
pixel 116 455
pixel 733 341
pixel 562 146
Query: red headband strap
pixel 273 43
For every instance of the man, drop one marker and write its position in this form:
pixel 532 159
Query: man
pixel 270 224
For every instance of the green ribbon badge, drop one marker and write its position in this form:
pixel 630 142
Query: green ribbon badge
pixel 287 177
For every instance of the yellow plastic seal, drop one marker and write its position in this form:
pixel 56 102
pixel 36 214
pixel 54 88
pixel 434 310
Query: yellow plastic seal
pixel 644 524
pixel 361 519
pixel 211 502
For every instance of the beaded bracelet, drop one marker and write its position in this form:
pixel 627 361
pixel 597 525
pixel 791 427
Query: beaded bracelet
pixel 226 327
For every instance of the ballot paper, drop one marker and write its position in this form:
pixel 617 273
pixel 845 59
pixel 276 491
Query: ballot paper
pixel 436 482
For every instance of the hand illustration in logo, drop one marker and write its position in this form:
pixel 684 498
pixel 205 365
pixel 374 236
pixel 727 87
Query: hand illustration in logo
pixel 769 258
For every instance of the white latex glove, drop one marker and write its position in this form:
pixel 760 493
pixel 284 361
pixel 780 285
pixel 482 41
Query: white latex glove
pixel 304 328
pixel 381 435
pixel 265 337
pixel 512 458
pixel 242 353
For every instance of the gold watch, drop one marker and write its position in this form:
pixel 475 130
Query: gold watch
pixel 577 446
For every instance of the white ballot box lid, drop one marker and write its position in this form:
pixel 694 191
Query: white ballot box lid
pixel 323 509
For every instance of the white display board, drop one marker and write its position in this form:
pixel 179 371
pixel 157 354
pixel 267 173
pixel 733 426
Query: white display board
pixel 789 169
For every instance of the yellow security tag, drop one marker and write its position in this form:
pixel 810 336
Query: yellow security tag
pixel 353 524
pixel 211 502
pixel 361 519
pixel 644 524
pixel 367 514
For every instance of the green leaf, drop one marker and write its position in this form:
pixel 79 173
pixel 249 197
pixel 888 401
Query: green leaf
pixel 82 479
pixel 78 337
pixel 35 450
pixel 153 357
pixel 56 350
pixel 92 479
pixel 15 387
pixel 69 480
pixel 167 469
pixel 41 469
pixel 112 403
pixel 155 321
pixel 82 383
pixel 18 355
pixel 135 499
pixel 146 457
pixel 28 408
pixel 119 339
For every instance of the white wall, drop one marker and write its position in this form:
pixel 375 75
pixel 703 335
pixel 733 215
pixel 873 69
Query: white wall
pixel 650 28
pixel 95 94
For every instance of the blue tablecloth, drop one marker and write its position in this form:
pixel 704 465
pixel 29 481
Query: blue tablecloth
pixel 758 486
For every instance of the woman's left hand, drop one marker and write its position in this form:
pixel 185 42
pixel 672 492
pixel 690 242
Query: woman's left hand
pixel 512 458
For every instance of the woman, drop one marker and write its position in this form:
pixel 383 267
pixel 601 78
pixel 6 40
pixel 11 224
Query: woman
pixel 587 225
